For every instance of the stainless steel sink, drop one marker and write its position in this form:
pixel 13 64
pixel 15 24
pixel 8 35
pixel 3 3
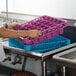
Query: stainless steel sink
pixel 66 58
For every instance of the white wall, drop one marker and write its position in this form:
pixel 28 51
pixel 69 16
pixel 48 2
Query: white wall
pixel 56 8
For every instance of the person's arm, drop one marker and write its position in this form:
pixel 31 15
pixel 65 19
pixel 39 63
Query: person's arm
pixel 11 25
pixel 9 33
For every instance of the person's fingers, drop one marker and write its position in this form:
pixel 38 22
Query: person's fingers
pixel 13 24
pixel 40 33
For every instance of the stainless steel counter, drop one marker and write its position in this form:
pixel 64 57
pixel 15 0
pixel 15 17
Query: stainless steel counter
pixel 68 32
pixel 42 56
pixel 67 58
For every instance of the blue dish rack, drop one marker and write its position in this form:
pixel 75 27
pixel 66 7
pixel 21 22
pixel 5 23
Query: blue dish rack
pixel 56 42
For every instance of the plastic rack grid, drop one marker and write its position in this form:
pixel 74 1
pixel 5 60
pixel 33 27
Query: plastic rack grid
pixel 45 45
pixel 49 26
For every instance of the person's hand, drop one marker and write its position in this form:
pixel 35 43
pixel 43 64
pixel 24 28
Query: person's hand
pixel 11 25
pixel 34 33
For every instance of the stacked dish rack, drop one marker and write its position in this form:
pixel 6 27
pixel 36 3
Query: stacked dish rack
pixel 50 39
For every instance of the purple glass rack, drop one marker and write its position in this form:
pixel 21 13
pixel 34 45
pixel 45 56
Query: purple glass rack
pixel 49 26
